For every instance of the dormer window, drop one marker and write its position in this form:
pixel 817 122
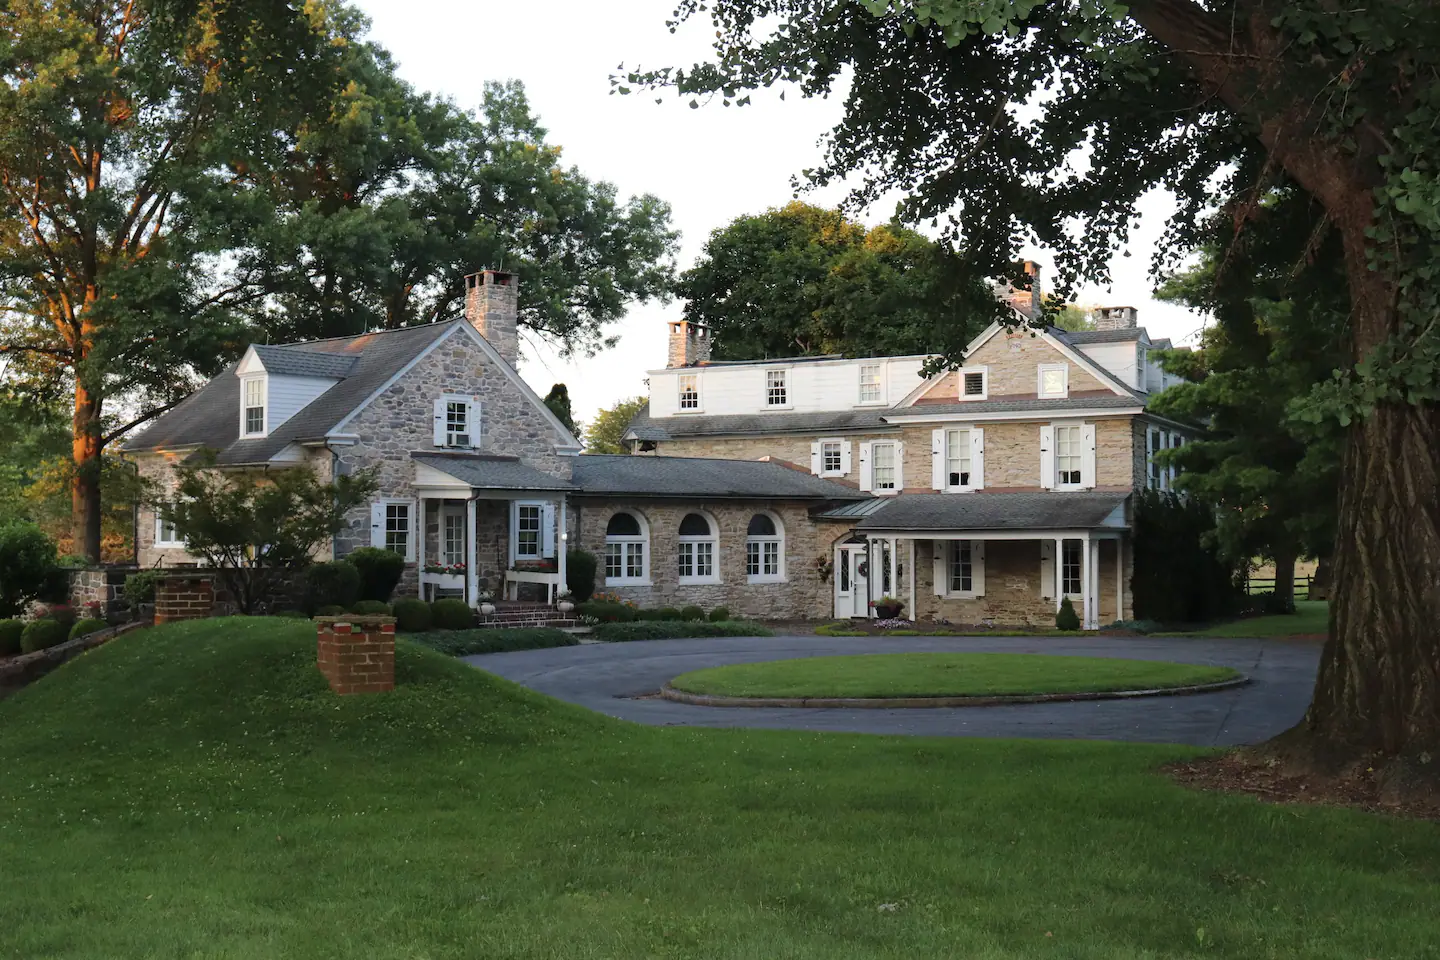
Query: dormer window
pixel 252 407
pixel 689 391
pixel 775 392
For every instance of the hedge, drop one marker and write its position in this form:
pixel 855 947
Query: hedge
pixel 412 615
pixel 42 635
pixel 10 631
pixel 677 630
pixel 464 643
pixel 380 572
pixel 332 584
pixel 451 614
pixel 606 612
pixel 580 568
pixel 82 627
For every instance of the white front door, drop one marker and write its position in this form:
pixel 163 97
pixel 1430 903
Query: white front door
pixel 852 593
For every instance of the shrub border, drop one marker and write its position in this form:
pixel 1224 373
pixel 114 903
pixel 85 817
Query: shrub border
pixel 25 669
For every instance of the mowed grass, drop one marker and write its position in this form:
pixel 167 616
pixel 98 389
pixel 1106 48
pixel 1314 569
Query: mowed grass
pixel 942 675
pixel 1311 617
pixel 195 791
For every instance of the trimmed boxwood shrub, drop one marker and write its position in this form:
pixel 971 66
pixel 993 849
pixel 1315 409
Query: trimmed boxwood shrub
pixel 719 614
pixel 83 627
pixel 411 615
pixel 674 630
pixel 451 614
pixel 647 614
pixel 580 567
pixel 42 635
pixel 331 611
pixel 380 572
pixel 607 612
pixel 370 608
pixel 465 643
pixel 667 613
pixel 292 614
pixel 332 584
pixel 1066 618
pixel 140 588
pixel 692 612
pixel 10 631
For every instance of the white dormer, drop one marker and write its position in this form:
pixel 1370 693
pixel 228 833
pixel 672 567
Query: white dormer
pixel 269 397
pixel 254 391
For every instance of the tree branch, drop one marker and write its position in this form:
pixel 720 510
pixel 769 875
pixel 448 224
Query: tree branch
pixel 145 417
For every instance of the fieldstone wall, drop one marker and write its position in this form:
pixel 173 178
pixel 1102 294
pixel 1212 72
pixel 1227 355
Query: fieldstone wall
pixel 1014 358
pixel 98 585
pixel 804 594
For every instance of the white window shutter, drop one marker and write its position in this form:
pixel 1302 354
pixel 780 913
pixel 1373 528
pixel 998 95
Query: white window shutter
pixel 937 458
pixel 845 465
pixel 1047 457
pixel 377 524
pixel 547 530
pixel 977 567
pixel 977 459
pixel 1087 455
pixel 1047 569
pixel 940 549
pixel 514 530
pixel 816 466
pixel 867 481
pixel 476 422
pixel 440 422
pixel 900 467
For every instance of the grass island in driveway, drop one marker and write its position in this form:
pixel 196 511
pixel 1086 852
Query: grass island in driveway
pixel 883 675
pixel 195 790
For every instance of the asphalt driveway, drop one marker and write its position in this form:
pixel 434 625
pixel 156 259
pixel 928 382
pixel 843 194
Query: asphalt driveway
pixel 608 677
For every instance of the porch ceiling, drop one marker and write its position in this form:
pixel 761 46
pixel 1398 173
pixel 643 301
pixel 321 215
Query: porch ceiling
pixel 491 473
pixel 937 512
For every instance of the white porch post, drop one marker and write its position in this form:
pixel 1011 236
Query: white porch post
pixel 472 554
pixel 1120 578
pixel 561 536
pixel 914 614
pixel 895 566
pixel 1085 592
pixel 1059 572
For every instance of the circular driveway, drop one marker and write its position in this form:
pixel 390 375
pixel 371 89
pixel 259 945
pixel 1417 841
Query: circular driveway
pixel 608 677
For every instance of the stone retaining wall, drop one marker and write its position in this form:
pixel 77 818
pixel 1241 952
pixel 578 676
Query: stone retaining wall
pixel 29 667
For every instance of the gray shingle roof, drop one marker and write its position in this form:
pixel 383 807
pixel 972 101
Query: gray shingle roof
pixel 211 416
pixel 645 427
pixel 1016 405
pixel 491 473
pixel 292 360
pixel 700 478
pixel 1078 337
pixel 994 511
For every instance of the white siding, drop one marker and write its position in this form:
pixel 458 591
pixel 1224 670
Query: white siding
pixel 1121 359
pixel 810 387
pixel 289 395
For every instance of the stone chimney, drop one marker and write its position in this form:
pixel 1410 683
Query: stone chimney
pixel 689 344
pixel 1115 318
pixel 492 307
pixel 1028 302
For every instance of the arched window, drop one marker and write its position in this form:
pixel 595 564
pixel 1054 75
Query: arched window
pixel 765 549
pixel 697 549
pixel 627 549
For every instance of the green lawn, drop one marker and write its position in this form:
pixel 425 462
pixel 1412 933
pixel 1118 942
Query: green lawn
pixel 195 791
pixel 1310 617
pixel 941 675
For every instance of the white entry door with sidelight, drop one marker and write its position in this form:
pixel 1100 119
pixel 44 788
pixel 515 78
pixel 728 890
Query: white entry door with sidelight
pixel 852 591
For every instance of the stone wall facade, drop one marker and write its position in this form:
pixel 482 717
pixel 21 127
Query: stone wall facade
pixel 803 594
pixel 103 586
pixel 1013 358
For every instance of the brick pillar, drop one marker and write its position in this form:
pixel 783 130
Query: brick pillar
pixel 356 653
pixel 184 597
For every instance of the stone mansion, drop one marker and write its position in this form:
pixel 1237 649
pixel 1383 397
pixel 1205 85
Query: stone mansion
pixel 807 487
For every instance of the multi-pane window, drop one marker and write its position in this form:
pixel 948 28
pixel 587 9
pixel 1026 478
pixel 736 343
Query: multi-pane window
pixel 831 460
pixel 689 391
pixel 527 530
pixel 973 383
pixel 882 466
pixel 962 567
pixel 397 528
pixel 762 548
pixel 165 533
pixel 775 395
pixel 957 458
pixel 696 551
pixel 870 383
pixel 457 423
pixel 1067 456
pixel 1070 567
pixel 624 548
pixel 453 539
pixel 254 406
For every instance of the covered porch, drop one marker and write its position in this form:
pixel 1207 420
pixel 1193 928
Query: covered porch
pixel 492 528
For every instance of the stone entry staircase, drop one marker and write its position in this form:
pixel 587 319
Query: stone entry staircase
pixel 514 613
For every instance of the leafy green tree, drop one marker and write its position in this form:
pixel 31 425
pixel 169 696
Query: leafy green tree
pixel 27 561
pixel 255 527
pixel 605 432
pixel 975 110
pixel 558 400
pixel 1071 317
pixel 802 280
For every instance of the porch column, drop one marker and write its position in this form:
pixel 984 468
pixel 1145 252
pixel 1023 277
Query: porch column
pixel 472 554
pixel 1085 592
pixel 1120 578
pixel 1059 572
pixel 895 566
pixel 914 614
pixel 561 538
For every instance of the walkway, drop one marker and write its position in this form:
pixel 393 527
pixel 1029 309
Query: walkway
pixel 605 676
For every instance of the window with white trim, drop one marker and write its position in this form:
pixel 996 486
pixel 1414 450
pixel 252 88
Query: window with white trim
pixel 627 545
pixel 883 465
pixel 764 549
pixel 398 527
pixel 689 386
pixel 1070 567
pixel 1053 380
pixel 457 423
pixel 871 388
pixel 695 552
pixel 452 544
pixel 529 519
pixel 253 416
pixel 775 392
pixel 962 567
pixel 832 460
pixel 1069 457
pixel 165 532
pixel 974 383
pixel 957 459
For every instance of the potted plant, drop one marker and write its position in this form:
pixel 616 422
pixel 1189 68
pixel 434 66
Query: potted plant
pixel 563 602
pixel 887 608
pixel 487 608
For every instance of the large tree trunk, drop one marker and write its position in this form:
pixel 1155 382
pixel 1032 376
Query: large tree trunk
pixel 85 483
pixel 1284 595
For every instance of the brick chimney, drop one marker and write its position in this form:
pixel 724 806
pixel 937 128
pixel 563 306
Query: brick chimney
pixel 689 344
pixel 1115 318
pixel 492 307
pixel 1028 302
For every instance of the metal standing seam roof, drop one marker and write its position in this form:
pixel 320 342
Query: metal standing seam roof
pixel 852 510
pixel 492 473
pixel 697 477
pixel 1046 510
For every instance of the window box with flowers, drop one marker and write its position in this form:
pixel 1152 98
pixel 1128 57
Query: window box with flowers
pixel 445 576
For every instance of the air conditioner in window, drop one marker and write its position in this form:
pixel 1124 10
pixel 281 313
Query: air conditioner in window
pixel 459 439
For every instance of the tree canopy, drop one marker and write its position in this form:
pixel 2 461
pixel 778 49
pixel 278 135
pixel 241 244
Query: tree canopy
pixel 604 434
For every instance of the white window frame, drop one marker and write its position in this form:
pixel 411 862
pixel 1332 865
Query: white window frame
pixel 382 507
pixel 161 541
pixel 953 549
pixel 841 446
pixel 692 545
pixel 984 393
pixel 785 386
pixel 692 379
pixel 245 407
pixel 1063 369
pixel 452 516
pixel 1079 549
pixel 624 543
pixel 968 457
pixel 515 555
pixel 897 486
pixel 474 426
pixel 879 385
pixel 778 540
pixel 1079 455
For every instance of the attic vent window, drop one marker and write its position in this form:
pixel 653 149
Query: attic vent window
pixel 973 384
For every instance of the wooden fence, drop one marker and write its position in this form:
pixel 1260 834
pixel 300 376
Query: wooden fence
pixel 1267 585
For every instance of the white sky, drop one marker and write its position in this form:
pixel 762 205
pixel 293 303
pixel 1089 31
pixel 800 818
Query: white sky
pixel 712 164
